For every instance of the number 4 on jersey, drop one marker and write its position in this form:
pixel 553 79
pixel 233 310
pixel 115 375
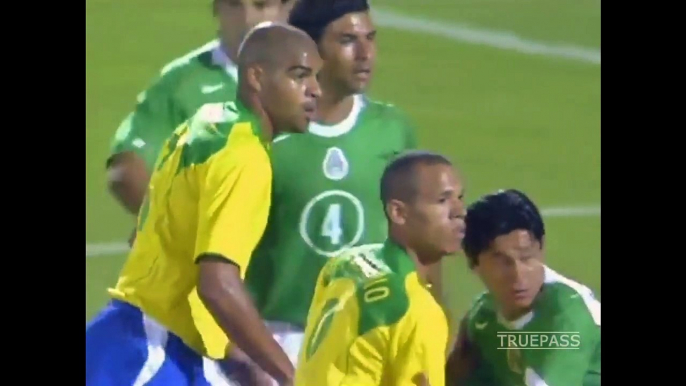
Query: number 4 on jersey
pixel 331 226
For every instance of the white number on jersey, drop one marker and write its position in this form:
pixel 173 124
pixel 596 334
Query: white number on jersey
pixel 328 236
pixel 331 226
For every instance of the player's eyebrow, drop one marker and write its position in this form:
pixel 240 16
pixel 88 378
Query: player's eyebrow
pixel 299 67
pixel 447 193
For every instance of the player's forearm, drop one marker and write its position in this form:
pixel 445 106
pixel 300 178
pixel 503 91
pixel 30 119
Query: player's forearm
pixel 128 180
pixel 224 295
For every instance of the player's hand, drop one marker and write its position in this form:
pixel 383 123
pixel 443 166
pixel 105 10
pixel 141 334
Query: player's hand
pixel 242 370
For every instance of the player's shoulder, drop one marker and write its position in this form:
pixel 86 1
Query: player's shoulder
pixel 191 61
pixel 356 263
pixel 381 293
pixel 218 126
pixel 184 68
pixel 482 309
pixel 383 110
pixel 568 301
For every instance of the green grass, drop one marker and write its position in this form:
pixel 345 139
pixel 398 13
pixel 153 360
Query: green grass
pixel 508 119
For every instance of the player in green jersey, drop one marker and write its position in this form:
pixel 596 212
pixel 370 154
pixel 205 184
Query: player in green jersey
pixel 205 75
pixel 326 182
pixel 533 327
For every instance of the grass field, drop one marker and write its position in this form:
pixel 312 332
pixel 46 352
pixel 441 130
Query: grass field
pixel 512 112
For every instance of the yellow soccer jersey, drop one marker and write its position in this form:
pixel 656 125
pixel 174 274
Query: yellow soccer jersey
pixel 372 323
pixel 210 192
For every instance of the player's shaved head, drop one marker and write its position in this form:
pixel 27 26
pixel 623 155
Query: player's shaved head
pixel 399 180
pixel 277 76
pixel 423 200
pixel 273 44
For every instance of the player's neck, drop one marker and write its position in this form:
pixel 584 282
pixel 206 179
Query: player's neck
pixel 230 52
pixel 268 130
pixel 421 268
pixel 332 109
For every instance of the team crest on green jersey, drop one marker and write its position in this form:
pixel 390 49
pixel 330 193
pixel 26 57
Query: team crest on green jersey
pixel 335 164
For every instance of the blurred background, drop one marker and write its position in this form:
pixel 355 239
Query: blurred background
pixel 509 89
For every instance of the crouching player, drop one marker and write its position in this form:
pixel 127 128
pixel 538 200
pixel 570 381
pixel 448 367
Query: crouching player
pixel 533 326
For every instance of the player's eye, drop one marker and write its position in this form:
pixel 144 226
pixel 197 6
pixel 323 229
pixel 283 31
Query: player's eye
pixel 371 36
pixel 347 39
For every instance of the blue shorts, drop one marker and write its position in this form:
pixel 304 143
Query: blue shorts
pixel 124 347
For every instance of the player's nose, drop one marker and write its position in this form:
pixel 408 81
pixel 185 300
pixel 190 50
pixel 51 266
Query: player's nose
pixel 364 50
pixel 312 89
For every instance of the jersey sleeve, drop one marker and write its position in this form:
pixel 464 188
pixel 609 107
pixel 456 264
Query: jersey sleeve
pixel 154 118
pixel 577 366
pixel 234 203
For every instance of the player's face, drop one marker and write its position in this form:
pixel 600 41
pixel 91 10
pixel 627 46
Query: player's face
pixel 512 270
pixel 237 17
pixel 289 93
pixel 436 217
pixel 349 50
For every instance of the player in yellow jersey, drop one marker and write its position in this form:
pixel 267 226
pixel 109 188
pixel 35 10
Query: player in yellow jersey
pixel 373 320
pixel 209 199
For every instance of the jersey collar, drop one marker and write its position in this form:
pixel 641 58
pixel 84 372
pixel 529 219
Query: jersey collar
pixel 397 258
pixel 342 127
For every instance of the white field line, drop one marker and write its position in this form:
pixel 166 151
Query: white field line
pixel 486 37
pixel 115 248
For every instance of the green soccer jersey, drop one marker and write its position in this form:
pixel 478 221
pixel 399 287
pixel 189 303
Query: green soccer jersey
pixel 556 344
pixel 325 199
pixel 205 75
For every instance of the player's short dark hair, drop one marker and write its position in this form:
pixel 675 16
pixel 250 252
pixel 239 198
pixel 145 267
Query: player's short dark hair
pixel 498 214
pixel 313 16
pixel 399 182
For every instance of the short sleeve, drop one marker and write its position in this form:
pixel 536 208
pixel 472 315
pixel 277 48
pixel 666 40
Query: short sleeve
pixel 145 129
pixel 234 203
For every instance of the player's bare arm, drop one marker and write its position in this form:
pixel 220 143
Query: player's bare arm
pixel 277 81
pixel 127 179
pixel 221 288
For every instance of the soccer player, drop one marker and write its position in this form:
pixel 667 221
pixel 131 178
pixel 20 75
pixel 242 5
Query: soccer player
pixel 326 182
pixel 528 305
pixel 208 205
pixel 372 319
pixel 205 75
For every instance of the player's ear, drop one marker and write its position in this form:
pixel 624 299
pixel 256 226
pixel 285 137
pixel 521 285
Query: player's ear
pixel 396 211
pixel 254 76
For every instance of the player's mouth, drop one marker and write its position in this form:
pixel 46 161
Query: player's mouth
pixel 520 294
pixel 362 74
pixel 310 110
pixel 460 229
